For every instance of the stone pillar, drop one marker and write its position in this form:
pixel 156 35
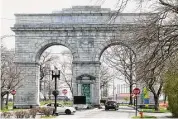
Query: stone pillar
pixel 89 68
pixel 27 95
pixel 75 88
pixel 96 93
pixel 79 89
pixel 96 86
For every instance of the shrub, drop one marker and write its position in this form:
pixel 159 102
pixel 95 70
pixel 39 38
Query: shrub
pixel 6 114
pixel 26 114
pixel 47 111
pixel 168 108
pixel 171 88
pixel 22 114
pixel 41 109
pixel 33 112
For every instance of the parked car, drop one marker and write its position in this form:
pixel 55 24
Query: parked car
pixel 111 105
pixel 62 109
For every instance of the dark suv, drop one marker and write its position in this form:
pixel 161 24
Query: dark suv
pixel 111 105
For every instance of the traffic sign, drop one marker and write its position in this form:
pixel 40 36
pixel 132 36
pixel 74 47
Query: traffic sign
pixel 13 92
pixel 136 91
pixel 64 91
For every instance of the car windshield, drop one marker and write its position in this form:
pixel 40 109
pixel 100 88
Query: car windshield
pixel 52 104
pixel 111 102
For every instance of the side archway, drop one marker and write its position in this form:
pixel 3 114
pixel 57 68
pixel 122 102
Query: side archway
pixel 104 46
pixel 43 46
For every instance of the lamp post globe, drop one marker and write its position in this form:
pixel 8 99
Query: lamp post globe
pixel 55 92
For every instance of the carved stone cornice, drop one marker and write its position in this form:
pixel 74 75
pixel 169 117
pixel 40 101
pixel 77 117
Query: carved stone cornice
pixel 75 27
pixel 86 62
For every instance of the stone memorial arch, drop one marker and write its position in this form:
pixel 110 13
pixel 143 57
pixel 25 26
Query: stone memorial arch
pixel 85 30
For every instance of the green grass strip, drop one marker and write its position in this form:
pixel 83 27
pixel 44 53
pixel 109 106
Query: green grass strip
pixel 138 117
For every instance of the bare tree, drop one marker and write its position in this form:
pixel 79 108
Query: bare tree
pixel 65 66
pixel 123 60
pixel 156 44
pixel 11 74
pixel 46 61
pixel 48 87
pixel 105 77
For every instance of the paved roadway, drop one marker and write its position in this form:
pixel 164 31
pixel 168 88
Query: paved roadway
pixel 123 112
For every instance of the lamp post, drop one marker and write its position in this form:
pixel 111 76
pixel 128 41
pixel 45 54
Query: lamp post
pixel 55 75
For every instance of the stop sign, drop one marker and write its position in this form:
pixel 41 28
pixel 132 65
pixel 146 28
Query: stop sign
pixel 64 91
pixel 13 92
pixel 136 91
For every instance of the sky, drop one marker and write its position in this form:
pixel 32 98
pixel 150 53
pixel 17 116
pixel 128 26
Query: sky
pixel 10 7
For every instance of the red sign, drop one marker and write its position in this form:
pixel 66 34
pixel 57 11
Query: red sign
pixel 64 91
pixel 13 92
pixel 136 91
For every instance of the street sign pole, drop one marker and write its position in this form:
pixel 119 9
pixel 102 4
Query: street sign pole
pixel 13 102
pixel 13 92
pixel 136 91
pixel 136 105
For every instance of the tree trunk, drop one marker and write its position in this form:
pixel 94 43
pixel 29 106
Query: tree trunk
pixel 156 99
pixel 40 85
pixel 165 98
pixel 7 100
pixel 2 104
pixel 49 94
pixel 131 101
pixel 3 93
pixel 44 97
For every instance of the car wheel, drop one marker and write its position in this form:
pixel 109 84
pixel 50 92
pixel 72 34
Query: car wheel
pixel 53 112
pixel 56 114
pixel 68 111
pixel 106 109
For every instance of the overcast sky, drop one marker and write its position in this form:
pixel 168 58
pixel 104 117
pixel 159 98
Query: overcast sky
pixel 10 7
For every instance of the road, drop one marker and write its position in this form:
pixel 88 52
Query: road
pixel 123 112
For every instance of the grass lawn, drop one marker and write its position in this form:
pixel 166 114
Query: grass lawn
pixel 10 107
pixel 7 110
pixel 161 110
pixel 123 104
pixel 137 117
pixel 48 117
pixel 66 103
